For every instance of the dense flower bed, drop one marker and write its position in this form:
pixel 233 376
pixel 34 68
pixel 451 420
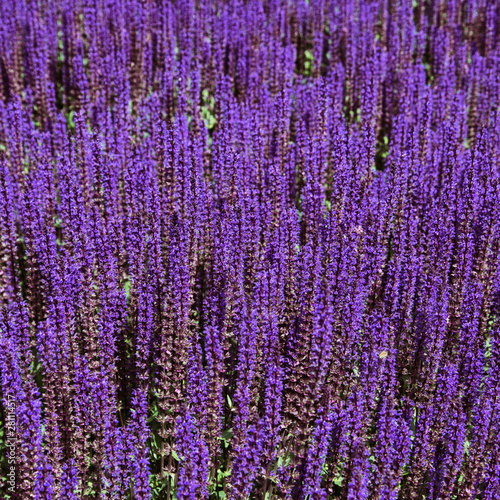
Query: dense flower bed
pixel 250 249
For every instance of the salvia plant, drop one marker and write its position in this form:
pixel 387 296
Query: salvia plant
pixel 249 249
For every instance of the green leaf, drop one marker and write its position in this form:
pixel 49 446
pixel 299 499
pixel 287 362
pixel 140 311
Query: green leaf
pixel 282 462
pixel 227 435
pixel 222 474
pixel 71 120
pixel 338 480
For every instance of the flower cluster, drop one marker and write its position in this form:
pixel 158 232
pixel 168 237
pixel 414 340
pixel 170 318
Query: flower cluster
pixel 249 249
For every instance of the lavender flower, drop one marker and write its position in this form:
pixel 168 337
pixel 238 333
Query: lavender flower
pixel 249 249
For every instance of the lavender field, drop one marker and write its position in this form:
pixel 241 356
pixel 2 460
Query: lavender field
pixel 250 249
